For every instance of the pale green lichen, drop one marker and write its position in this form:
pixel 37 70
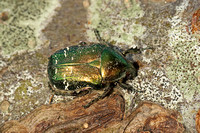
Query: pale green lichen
pixel 116 20
pixel 23 76
pixel 185 67
pixel 15 38
pixel 22 30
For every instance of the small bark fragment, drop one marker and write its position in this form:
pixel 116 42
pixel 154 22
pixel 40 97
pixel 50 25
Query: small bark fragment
pixel 196 22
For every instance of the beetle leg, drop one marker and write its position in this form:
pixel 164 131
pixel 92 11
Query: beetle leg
pixel 51 99
pixel 129 88
pixel 106 91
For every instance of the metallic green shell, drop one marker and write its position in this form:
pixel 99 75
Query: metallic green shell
pixel 94 64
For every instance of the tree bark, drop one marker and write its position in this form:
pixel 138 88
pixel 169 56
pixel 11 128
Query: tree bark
pixel 107 115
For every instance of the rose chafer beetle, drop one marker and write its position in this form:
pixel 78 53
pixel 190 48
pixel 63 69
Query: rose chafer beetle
pixel 99 66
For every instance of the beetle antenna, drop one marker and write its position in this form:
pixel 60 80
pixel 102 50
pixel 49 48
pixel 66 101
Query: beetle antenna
pixel 96 32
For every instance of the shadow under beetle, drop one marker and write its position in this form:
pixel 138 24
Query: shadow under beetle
pixel 98 66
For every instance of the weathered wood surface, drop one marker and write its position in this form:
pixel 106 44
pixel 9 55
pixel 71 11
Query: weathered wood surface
pixel 107 115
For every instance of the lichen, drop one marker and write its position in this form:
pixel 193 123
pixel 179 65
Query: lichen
pixel 23 79
pixel 115 23
pixel 24 93
pixel 15 38
pixel 126 24
pixel 169 74
pixel 157 88
pixel 185 68
pixel 22 30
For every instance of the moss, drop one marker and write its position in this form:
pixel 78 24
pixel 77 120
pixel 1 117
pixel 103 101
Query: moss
pixel 24 95
pixel 21 91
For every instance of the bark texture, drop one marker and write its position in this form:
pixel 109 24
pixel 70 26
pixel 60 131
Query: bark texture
pixel 107 115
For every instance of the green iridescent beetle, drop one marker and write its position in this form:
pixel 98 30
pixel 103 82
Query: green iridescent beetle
pixel 98 66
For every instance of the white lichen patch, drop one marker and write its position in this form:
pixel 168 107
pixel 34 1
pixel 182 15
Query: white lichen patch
pixel 115 23
pixel 157 88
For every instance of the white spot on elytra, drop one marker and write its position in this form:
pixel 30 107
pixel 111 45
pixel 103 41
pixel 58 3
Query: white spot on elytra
pixel 55 71
pixel 72 58
pixel 71 71
pixel 65 53
pixel 56 61
pixel 66 86
pixel 67 48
